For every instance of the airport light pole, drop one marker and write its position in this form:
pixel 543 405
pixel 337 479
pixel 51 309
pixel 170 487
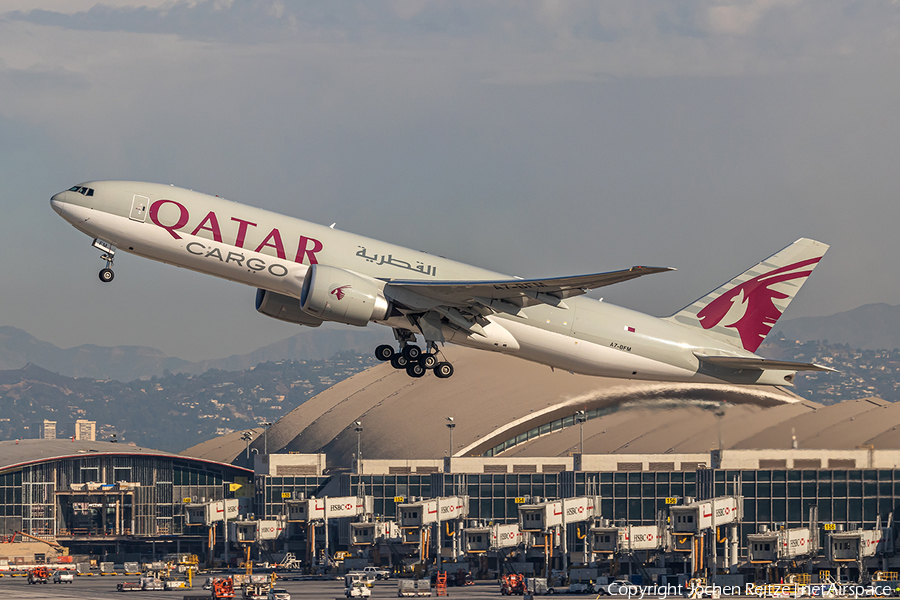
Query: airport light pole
pixel 247 436
pixel 266 438
pixel 580 418
pixel 450 426
pixel 359 429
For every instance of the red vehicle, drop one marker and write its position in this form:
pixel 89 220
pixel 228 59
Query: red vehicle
pixel 223 587
pixel 38 575
pixel 512 585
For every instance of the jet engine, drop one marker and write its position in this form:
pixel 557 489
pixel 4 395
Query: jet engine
pixel 333 294
pixel 284 308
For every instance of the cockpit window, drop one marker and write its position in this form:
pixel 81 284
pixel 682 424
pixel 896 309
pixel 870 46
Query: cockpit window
pixel 84 191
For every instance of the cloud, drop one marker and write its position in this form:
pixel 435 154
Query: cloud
pixel 516 41
pixel 77 6
pixel 738 19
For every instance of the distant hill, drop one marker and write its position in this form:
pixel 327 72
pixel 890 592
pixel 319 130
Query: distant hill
pixel 127 363
pixel 309 344
pixel 124 363
pixel 869 327
pixel 171 411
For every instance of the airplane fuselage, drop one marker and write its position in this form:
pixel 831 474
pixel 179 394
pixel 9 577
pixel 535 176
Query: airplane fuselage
pixel 266 250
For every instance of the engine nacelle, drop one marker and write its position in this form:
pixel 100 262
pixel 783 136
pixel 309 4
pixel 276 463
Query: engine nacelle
pixel 334 294
pixel 284 308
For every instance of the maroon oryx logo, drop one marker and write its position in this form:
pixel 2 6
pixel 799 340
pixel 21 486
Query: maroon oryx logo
pixel 757 298
pixel 338 291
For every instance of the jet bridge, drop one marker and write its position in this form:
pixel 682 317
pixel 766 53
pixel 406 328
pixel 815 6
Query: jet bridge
pixel 849 546
pixel 544 516
pixel 480 540
pixel 314 512
pixel 604 540
pixel 248 532
pixel 432 510
pixel 207 513
pixel 323 509
pixel 770 547
pixel 417 518
pixel 696 528
pixel 700 515
pixel 627 539
pixel 372 533
pixel 860 545
pixel 553 516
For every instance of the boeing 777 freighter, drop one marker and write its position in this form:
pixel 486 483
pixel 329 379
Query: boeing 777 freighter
pixel 307 274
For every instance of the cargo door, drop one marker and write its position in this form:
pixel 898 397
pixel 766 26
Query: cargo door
pixel 139 208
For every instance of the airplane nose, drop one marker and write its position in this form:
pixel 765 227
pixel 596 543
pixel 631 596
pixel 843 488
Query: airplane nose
pixel 57 200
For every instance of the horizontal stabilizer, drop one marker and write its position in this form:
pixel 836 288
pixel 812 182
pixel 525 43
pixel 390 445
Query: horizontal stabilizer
pixel 760 364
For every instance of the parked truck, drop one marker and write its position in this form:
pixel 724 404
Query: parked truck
pixel 377 572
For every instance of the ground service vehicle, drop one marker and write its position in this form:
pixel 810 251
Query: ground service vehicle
pixel 256 591
pixel 63 576
pixel 222 587
pixel 377 573
pixel 619 587
pixel 356 588
pixel 152 584
pixel 130 586
pixel 38 575
pixel 368 579
pixel 512 585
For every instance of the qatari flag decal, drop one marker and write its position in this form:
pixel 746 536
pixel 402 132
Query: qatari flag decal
pixel 629 329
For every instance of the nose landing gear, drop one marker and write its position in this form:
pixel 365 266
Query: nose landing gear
pixel 109 253
pixel 412 359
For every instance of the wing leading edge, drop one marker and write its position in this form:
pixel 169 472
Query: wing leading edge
pixel 518 293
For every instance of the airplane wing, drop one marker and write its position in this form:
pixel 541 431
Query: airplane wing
pixel 515 293
pixel 760 364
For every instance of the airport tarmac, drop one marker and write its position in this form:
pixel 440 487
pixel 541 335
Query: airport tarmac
pixel 91 588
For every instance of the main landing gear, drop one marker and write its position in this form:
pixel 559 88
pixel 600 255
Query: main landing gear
pixel 416 362
pixel 109 253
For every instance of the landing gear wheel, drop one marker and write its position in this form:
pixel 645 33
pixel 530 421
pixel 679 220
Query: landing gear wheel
pixel 443 370
pixel 384 352
pixel 398 361
pixel 412 352
pixel 106 275
pixel 414 369
pixel 429 361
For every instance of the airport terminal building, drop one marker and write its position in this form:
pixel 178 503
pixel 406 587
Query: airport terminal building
pixel 106 498
pixel 519 435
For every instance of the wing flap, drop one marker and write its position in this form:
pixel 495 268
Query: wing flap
pixel 760 364
pixel 520 292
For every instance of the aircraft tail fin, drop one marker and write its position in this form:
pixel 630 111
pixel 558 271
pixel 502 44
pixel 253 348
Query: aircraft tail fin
pixel 744 310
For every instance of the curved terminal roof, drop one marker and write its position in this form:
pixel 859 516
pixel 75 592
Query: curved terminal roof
pixel 224 448
pixel 495 399
pixel 19 453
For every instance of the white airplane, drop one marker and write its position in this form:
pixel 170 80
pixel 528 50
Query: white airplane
pixel 307 274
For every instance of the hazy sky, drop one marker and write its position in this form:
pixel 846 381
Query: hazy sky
pixel 533 138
